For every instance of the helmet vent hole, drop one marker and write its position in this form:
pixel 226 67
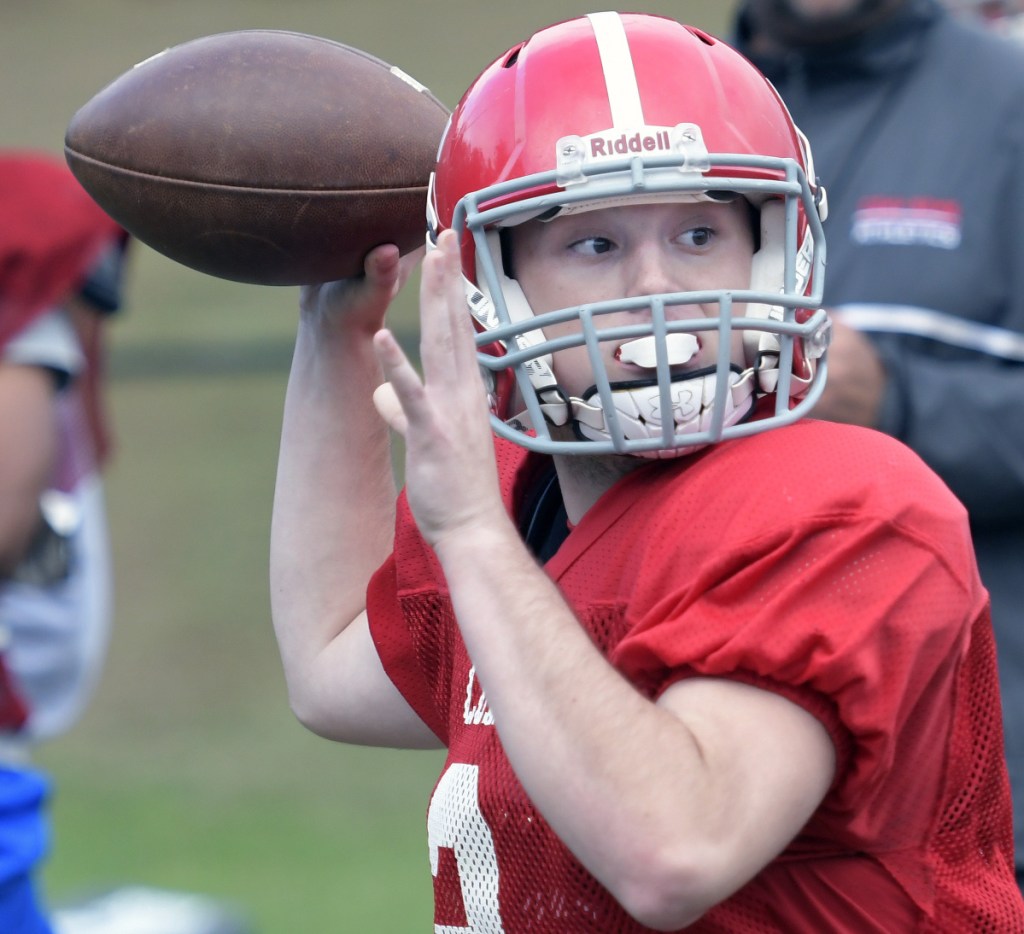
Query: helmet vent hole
pixel 703 36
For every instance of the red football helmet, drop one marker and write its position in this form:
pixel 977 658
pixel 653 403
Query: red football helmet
pixel 613 109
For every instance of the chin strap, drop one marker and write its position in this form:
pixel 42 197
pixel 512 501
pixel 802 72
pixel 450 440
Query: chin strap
pixel 639 408
pixel 693 405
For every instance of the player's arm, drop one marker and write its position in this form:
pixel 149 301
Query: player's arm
pixel 28 441
pixel 671 805
pixel 333 514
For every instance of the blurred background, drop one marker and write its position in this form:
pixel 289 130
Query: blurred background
pixel 188 772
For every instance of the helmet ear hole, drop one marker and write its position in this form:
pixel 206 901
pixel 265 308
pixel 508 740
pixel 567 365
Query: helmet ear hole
pixel 507 257
pixel 754 215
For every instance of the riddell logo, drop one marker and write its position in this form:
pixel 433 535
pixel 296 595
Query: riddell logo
pixel 626 143
pixel 579 157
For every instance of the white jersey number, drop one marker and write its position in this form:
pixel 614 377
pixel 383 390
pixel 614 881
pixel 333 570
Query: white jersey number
pixel 455 821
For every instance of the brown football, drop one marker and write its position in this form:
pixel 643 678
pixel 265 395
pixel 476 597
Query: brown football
pixel 262 156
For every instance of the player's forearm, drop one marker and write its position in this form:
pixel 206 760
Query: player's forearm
pixel 334 497
pixel 621 780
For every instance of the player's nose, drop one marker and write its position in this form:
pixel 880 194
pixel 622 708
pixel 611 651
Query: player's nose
pixel 651 271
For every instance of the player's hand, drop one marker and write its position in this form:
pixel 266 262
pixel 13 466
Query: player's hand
pixel 451 478
pixel 359 304
pixel 856 379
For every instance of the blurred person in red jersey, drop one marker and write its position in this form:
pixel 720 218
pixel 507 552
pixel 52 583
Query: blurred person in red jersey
pixel 61 270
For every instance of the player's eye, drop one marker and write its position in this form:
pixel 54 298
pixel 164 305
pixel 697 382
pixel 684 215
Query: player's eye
pixel 697 236
pixel 592 246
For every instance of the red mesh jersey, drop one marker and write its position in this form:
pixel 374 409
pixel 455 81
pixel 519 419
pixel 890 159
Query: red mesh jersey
pixel 820 561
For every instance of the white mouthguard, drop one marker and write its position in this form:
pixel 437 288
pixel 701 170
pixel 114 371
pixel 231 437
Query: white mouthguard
pixel 642 352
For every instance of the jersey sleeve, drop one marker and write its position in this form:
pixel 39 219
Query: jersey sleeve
pixel 49 342
pixel 410 613
pixel 862 617
pixel 407 607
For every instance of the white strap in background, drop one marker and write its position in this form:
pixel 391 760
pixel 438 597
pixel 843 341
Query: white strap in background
pixel 936 325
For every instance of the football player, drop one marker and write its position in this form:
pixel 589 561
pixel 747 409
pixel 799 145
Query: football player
pixel 61 278
pixel 697 662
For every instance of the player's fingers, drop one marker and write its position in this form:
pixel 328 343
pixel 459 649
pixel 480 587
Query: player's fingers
pixel 363 296
pixel 383 270
pixel 408 263
pixel 436 343
pixel 460 322
pixel 453 303
pixel 464 364
pixel 406 385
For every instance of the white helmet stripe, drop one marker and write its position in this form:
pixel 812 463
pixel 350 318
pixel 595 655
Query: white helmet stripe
pixel 619 75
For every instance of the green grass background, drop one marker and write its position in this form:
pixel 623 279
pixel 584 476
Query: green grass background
pixel 188 771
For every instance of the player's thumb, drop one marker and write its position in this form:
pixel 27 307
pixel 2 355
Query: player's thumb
pixel 385 401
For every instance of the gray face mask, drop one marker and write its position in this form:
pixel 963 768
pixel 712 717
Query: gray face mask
pixel 783 23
